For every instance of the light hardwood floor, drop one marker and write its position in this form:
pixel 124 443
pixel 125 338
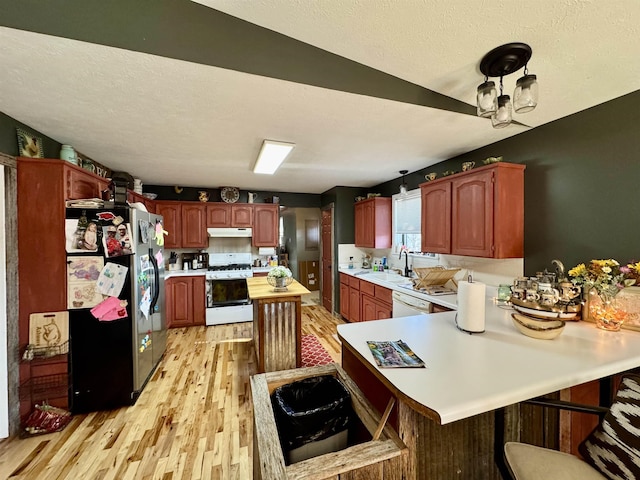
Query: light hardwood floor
pixel 192 421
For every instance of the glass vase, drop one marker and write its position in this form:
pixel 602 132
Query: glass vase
pixel 606 311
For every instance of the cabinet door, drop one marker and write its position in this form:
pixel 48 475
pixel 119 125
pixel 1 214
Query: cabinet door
pixel 383 310
pixel 194 229
pixel 436 217
pixel 373 223
pixel 179 301
pixel 364 224
pixel 354 305
pixel 265 226
pixel 172 221
pixel 199 300
pixel 368 309
pixel 79 184
pixel 344 301
pixel 242 216
pixel 472 215
pixel 218 215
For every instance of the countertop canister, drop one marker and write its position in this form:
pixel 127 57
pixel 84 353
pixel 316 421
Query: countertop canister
pixel 69 154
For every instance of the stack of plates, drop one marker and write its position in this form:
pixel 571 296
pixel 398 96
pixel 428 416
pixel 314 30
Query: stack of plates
pixel 535 310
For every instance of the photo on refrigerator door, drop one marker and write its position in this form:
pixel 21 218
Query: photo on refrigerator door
pixel 117 240
pixel 81 235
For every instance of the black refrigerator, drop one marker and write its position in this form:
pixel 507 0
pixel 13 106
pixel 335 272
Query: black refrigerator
pixel 117 327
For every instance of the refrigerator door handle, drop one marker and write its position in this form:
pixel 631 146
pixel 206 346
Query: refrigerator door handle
pixel 156 283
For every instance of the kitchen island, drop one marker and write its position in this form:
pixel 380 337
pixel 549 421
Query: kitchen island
pixel 277 318
pixel 455 414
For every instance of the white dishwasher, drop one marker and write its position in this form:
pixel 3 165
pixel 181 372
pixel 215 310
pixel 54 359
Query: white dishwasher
pixel 405 305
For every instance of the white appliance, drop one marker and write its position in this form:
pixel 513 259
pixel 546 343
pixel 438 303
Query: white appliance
pixel 406 305
pixel 227 296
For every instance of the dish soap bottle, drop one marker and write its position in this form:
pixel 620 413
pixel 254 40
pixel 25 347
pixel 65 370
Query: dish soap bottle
pixel 350 262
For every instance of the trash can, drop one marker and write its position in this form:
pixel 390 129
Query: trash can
pixel 312 416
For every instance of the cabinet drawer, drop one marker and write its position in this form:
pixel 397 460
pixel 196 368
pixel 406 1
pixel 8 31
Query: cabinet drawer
pixel 368 288
pixel 354 283
pixel 383 294
pixel 344 278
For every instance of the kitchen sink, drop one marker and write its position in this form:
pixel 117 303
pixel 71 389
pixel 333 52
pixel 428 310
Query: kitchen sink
pixel 388 277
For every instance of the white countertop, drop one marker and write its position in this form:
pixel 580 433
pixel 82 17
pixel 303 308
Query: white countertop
pixel 470 374
pixel 184 273
pixel 393 282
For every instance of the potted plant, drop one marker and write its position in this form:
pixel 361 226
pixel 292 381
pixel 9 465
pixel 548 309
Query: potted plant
pixel 280 277
pixel 604 279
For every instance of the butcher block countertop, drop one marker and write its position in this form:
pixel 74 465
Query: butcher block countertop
pixel 259 288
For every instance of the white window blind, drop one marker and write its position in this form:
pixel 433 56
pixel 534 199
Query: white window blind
pixel 407 220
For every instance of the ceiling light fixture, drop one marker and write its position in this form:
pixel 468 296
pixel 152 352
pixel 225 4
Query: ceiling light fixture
pixel 501 61
pixel 403 185
pixel 271 156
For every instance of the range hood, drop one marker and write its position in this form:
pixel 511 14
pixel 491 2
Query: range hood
pixel 229 232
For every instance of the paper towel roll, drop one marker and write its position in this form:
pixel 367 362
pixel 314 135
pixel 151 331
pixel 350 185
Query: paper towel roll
pixel 471 301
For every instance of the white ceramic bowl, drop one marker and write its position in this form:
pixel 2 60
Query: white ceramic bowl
pixel 536 328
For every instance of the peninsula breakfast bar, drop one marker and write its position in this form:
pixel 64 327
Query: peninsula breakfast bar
pixel 449 412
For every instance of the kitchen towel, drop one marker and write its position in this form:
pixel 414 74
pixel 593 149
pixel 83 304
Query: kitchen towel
pixel 471 302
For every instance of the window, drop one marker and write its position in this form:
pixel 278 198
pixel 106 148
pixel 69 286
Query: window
pixel 406 221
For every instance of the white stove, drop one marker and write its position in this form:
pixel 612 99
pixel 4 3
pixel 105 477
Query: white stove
pixel 229 266
pixel 226 288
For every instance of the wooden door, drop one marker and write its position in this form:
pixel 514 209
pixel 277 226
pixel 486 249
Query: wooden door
pixel 172 222
pixel 365 224
pixel 265 226
pixel 81 184
pixel 242 216
pixel 327 260
pixel 472 215
pixel 436 217
pixel 218 215
pixel 194 227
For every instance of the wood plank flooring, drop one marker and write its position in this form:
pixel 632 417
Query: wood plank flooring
pixel 192 421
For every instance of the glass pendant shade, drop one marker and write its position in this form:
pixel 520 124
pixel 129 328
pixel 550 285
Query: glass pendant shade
pixel 502 117
pixel 525 96
pixel 487 99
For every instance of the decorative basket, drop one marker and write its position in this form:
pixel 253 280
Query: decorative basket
pixel 279 284
pixel 433 276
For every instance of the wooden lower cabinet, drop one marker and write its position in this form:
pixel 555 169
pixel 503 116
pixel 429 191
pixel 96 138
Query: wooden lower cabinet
pixel 375 302
pixel 344 299
pixel 185 301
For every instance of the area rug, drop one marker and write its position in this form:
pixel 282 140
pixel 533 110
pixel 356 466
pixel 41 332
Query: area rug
pixel 313 353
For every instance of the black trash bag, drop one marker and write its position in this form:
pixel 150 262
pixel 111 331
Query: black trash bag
pixel 310 410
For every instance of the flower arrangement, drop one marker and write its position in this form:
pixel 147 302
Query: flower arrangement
pixel 607 277
pixel 280 272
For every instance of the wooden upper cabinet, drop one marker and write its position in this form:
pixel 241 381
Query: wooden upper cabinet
pixel 242 216
pixel 172 221
pixel 194 226
pixel 265 225
pixel 218 215
pixel 486 216
pixel 221 215
pixel 81 184
pixel 436 217
pixel 373 223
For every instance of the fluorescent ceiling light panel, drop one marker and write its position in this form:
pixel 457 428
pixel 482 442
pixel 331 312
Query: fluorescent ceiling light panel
pixel 272 154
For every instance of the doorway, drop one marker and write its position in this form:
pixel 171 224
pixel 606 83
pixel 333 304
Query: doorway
pixel 327 258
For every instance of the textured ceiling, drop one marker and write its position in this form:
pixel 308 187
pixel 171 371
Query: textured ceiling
pixel 175 122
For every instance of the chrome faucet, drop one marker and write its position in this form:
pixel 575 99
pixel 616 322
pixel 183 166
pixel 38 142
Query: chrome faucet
pixel 407 272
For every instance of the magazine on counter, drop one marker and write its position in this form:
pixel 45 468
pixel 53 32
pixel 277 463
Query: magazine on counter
pixel 394 354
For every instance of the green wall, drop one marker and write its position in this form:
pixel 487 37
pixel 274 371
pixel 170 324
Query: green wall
pixel 581 184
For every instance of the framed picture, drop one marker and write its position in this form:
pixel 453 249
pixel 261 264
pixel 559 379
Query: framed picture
pixel 28 144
